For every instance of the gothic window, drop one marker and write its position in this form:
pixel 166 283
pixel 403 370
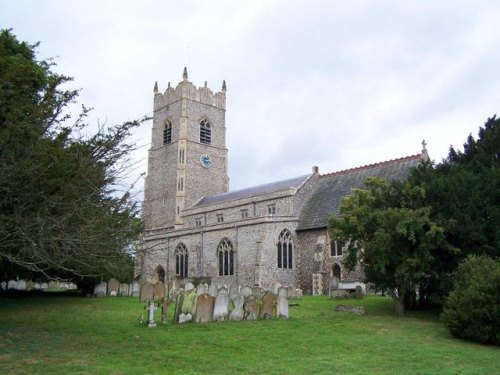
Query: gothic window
pixel 220 218
pixel 198 222
pixel 271 209
pixel 336 271
pixel 285 250
pixel 181 260
pixel 335 248
pixel 180 184
pixel 244 214
pixel 167 132
pixel 181 156
pixel 226 257
pixel 205 132
pixel 161 274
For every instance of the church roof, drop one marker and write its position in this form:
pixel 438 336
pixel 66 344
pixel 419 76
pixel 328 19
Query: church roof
pixel 325 200
pixel 272 187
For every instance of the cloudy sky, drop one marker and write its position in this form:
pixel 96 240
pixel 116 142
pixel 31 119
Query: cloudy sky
pixel 336 84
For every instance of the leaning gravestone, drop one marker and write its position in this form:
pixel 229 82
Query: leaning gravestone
pixel 204 308
pixel 250 307
pixel 99 289
pixel 159 291
pixel 221 305
pixel 178 305
pixel 189 304
pixel 113 286
pixel 237 313
pixel 212 289
pixel 266 310
pixel 282 308
pixel 123 291
pixel 246 291
pixel 147 292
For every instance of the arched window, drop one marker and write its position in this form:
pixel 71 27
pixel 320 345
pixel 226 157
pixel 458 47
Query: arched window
pixel 226 257
pixel 160 273
pixel 181 260
pixel 205 132
pixel 285 249
pixel 336 271
pixel 167 132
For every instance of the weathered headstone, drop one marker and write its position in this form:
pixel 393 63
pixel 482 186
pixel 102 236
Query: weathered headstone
pixel 147 292
pixel 134 289
pixel 233 290
pixel 277 287
pixel 298 293
pixel 37 286
pixel 250 307
pixel 283 292
pixel 113 286
pixel 44 286
pixel 12 284
pixel 184 318
pixel 21 285
pixel 151 308
pixel 54 285
pixel 267 308
pixel 202 289
pixel 256 291
pixel 246 291
pixel 204 308
pixel 359 292
pixel 3 285
pixel 292 292
pixel 282 308
pixel 29 285
pixel 164 308
pixel 188 287
pixel 237 313
pixel 212 289
pixel 173 289
pixel 99 289
pixel 189 303
pixel 221 304
pixel 178 305
pixel 317 284
pixel 123 291
pixel 159 291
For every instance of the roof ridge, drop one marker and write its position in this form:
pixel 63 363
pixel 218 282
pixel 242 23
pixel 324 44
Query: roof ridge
pixel 368 166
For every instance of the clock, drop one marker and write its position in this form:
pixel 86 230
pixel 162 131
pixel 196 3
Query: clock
pixel 205 161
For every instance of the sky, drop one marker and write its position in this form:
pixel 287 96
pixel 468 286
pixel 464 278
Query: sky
pixel 334 84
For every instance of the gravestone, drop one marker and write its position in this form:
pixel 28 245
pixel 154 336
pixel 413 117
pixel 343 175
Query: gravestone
pixel 277 287
pixel 202 289
pixel 164 308
pixel 151 308
pixel 134 289
pixel 267 308
pixel 21 285
pixel 99 289
pixel 189 303
pixel 37 286
pixel 178 305
pixel 233 290
pixel 113 286
pixel 173 289
pixel 359 292
pixel 29 285
pixel 250 308
pixel 282 308
pixel 158 291
pixel 246 291
pixel 317 284
pixel 44 286
pixel 184 318
pixel 212 289
pixel 54 285
pixel 283 292
pixel 292 292
pixel 204 308
pixel 147 292
pixel 123 291
pixel 221 305
pixel 188 287
pixel 256 291
pixel 12 284
pixel 65 286
pixel 3 285
pixel 298 293
pixel 237 313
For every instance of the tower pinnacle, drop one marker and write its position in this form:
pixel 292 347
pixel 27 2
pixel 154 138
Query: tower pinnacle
pixel 155 89
pixel 224 88
pixel 185 74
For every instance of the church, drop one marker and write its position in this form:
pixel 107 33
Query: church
pixel 196 228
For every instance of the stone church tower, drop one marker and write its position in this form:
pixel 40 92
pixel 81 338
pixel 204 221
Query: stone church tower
pixel 188 155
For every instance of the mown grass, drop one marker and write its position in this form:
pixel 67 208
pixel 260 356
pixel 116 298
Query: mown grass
pixel 72 335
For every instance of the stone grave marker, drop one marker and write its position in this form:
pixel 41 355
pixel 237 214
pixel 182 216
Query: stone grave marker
pixel 188 287
pixel 123 291
pixel 282 308
pixel 359 292
pixel 256 291
pixel 3 285
pixel 250 308
pixel 12 284
pixel 178 305
pixel 29 285
pixel 113 286
pixel 54 285
pixel 277 287
pixel 246 291
pixel 99 289
pixel 212 289
pixel 237 313
pixel 164 308
pixel 37 286
pixel 21 285
pixel 267 308
pixel 221 305
pixel 189 304
pixel 202 289
pixel 298 293
pixel 204 308
pixel 283 292
pixel 147 292
pixel 151 308
pixel 158 291
pixel 233 290
pixel 292 292
pixel 44 286
pixel 134 289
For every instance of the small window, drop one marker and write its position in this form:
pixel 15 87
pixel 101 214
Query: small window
pixel 244 214
pixel 220 218
pixel 335 249
pixel 181 156
pixel 180 184
pixel 205 132
pixel 271 209
pixel 167 132
pixel 198 222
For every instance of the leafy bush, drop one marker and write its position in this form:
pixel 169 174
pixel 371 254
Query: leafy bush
pixel 472 310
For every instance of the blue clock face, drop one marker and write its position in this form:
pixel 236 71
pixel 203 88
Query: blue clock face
pixel 205 161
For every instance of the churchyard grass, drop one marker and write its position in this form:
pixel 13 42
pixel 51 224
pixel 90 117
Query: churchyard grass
pixel 73 335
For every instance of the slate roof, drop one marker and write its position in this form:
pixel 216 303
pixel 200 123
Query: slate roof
pixel 325 200
pixel 253 191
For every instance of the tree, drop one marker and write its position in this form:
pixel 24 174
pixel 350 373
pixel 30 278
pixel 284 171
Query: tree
pixel 391 236
pixel 62 210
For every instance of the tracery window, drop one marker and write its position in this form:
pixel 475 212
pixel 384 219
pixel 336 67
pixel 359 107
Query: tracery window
pixel 161 274
pixel 226 257
pixel 167 132
pixel 205 132
pixel 285 250
pixel 181 260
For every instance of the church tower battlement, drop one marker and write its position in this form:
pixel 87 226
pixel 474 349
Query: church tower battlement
pixel 188 155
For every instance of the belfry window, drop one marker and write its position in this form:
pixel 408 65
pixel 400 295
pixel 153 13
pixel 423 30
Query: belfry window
pixel 285 250
pixel 271 209
pixel 181 260
pixel 205 132
pixel 226 258
pixel 167 132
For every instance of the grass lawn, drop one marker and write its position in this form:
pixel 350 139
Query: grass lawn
pixel 73 335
